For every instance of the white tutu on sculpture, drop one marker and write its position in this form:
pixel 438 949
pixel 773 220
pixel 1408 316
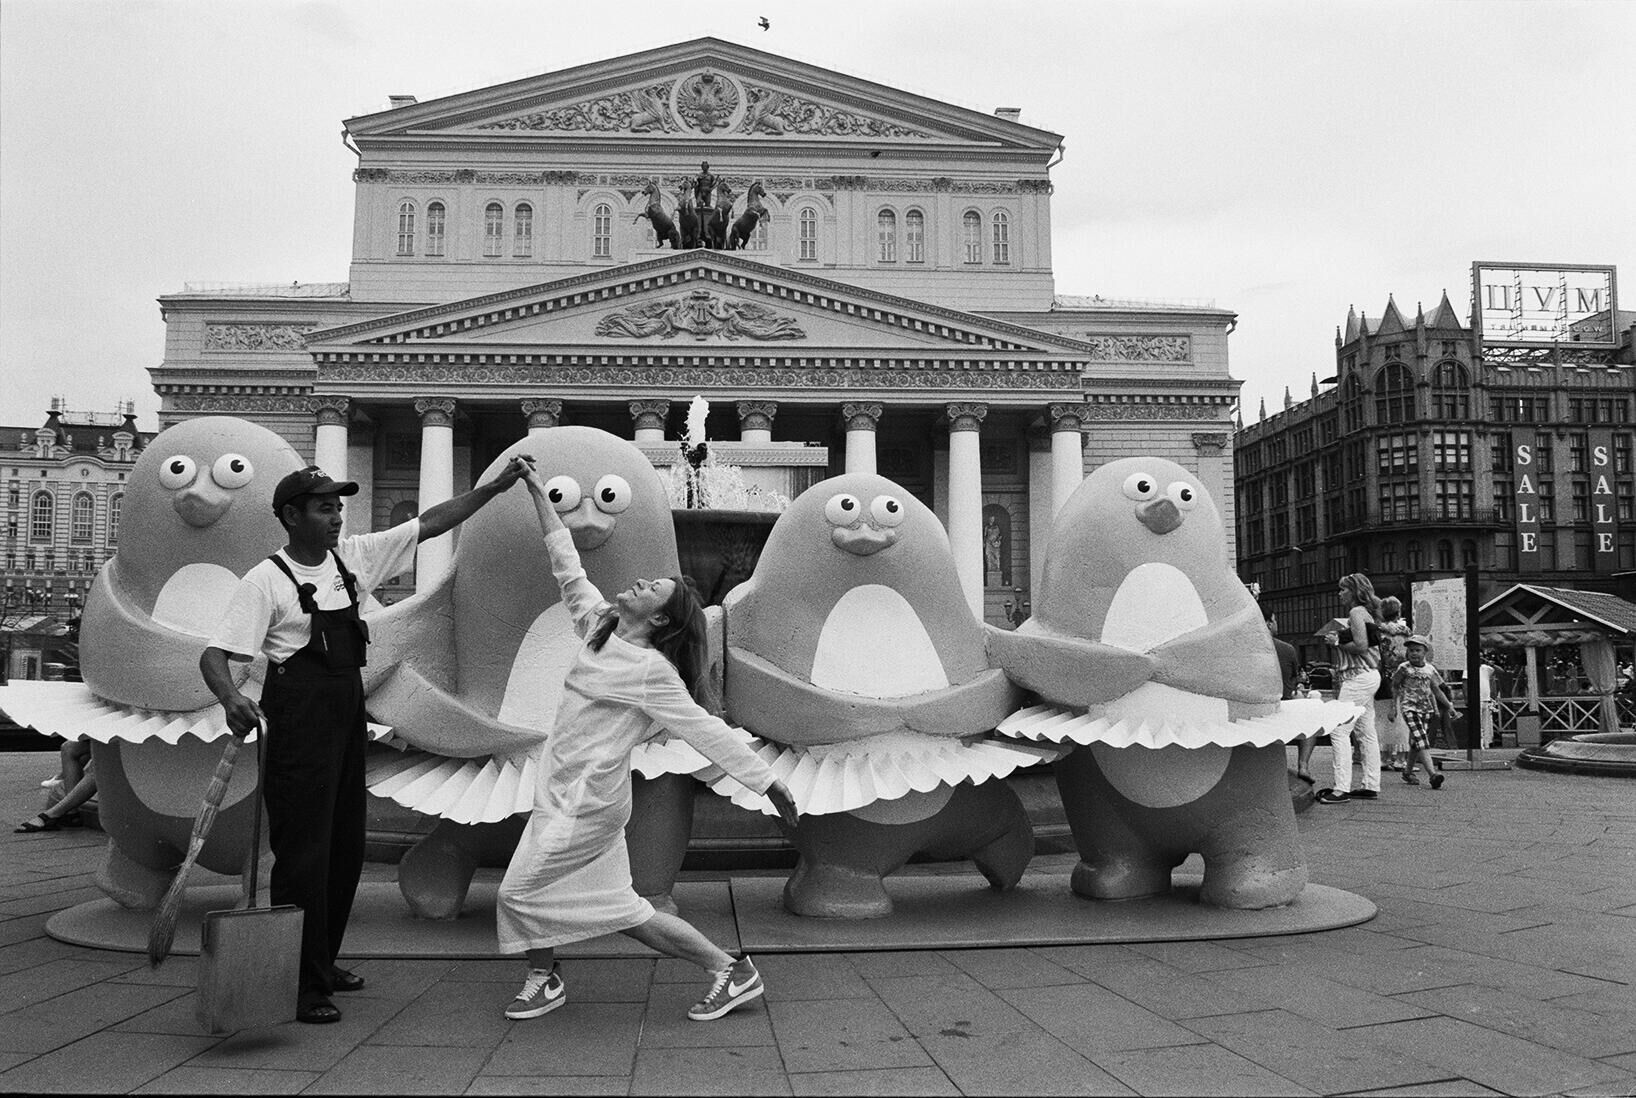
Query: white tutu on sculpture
pixel 1292 720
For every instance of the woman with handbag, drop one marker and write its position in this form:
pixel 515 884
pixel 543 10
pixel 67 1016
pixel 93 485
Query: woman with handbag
pixel 1357 663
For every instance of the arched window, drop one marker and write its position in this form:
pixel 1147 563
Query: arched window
pixel 42 516
pixel 1445 555
pixel 1451 396
pixel 1388 557
pixel 1002 237
pixel 914 237
pixel 406 228
pixel 809 233
pixel 494 230
pixel 886 232
pixel 758 236
pixel 1394 394
pixel 971 228
pixel 115 506
pixel 1468 552
pixel 83 517
pixel 1411 556
pixel 436 233
pixel 602 230
pixel 522 236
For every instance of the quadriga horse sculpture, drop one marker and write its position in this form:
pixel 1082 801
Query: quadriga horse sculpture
pixel 719 217
pixel 687 216
pixel 664 229
pixel 754 211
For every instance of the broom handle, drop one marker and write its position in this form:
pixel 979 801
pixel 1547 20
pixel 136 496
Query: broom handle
pixel 258 801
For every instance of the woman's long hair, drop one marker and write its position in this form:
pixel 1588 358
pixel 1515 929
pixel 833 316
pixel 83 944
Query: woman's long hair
pixel 1363 593
pixel 683 640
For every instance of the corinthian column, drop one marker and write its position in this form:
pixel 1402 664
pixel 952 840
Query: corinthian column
pixel 650 419
pixel 436 482
pixel 329 448
pixel 1067 458
pixel 542 415
pixel 966 499
pixel 861 423
pixel 755 420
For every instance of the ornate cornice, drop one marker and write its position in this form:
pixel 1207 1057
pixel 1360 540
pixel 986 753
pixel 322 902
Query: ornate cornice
pixel 965 415
pixel 274 336
pixel 861 416
pixel 542 413
pixel 752 374
pixel 435 411
pixel 262 403
pixel 756 415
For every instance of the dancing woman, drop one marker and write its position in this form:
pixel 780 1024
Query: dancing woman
pixel 642 664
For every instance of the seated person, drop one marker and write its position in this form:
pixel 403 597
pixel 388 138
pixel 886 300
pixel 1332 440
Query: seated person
pixel 79 785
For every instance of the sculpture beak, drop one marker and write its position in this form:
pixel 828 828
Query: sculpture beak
pixel 1159 515
pixel 589 526
pixel 862 540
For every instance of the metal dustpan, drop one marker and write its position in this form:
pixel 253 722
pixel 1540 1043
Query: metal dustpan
pixel 250 958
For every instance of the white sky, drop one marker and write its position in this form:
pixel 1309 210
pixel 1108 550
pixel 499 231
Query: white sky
pixel 1282 159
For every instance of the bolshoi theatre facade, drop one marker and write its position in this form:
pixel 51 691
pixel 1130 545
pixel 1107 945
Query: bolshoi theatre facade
pixel 893 308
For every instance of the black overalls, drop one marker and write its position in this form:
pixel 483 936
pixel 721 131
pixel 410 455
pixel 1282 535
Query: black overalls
pixel 314 705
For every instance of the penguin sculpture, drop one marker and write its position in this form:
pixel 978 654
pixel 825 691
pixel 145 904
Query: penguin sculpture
pixel 1142 630
pixel 853 651
pixel 197 514
pixel 470 670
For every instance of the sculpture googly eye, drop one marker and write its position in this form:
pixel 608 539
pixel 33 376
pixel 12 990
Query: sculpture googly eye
pixel 843 510
pixel 612 494
pixel 1141 487
pixel 178 472
pixel 232 471
pixel 887 510
pixel 563 492
pixel 1183 495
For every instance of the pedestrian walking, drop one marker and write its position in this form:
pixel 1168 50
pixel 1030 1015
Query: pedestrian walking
pixel 1394 632
pixel 299 608
pixel 642 665
pixel 1357 663
pixel 1419 692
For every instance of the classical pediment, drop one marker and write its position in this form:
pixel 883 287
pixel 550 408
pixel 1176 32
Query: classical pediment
pixel 705 88
pixel 697 300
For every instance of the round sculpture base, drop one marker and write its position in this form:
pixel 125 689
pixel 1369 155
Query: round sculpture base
pixel 1601 754
pixel 930 911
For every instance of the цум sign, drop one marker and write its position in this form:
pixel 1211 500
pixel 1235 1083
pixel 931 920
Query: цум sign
pixel 1526 305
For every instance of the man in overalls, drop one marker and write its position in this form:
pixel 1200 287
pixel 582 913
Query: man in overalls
pixel 299 607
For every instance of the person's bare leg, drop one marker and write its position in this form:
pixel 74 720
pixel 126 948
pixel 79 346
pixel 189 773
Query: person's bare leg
pixel 1303 755
pixel 676 937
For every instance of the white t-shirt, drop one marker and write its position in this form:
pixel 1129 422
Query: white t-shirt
pixel 265 614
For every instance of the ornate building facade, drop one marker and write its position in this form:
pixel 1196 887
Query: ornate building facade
pixel 63 485
pixel 1427 451
pixel 893 308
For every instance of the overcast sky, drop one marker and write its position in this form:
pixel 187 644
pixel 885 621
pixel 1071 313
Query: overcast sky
pixel 1281 159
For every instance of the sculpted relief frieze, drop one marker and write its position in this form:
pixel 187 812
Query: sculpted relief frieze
pixel 256 337
pixel 691 378
pixel 705 102
pixel 700 314
pixel 1161 348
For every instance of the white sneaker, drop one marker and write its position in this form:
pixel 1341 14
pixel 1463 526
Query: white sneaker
pixel 735 985
pixel 542 993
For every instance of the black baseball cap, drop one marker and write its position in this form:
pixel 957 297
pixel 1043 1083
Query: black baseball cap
pixel 311 481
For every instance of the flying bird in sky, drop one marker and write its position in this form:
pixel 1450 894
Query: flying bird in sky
pixel 764 23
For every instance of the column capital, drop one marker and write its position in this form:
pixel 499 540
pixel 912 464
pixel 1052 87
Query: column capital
pixel 756 415
pixel 965 415
pixel 542 413
pixel 1210 443
pixel 435 411
pixel 861 415
pixel 330 410
pixel 650 414
pixel 1065 416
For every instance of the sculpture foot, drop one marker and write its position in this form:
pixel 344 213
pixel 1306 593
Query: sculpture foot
pixel 836 892
pixel 1120 880
pixel 131 884
pixel 1250 888
pixel 435 875
pixel 1004 860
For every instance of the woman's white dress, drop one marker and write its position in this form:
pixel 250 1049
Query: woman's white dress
pixel 570 878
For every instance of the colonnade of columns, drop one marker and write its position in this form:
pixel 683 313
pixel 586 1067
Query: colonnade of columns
pixel 861 419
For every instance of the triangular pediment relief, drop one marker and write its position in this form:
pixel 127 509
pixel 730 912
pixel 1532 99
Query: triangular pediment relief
pixel 693 299
pixel 706 88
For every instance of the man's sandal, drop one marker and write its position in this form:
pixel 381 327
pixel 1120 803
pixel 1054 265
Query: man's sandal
pixel 46 823
pixel 317 1012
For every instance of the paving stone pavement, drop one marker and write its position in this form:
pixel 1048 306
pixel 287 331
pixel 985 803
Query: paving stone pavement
pixel 1502 961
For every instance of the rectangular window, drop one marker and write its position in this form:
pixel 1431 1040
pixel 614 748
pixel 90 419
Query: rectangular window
pixel 1547 500
pixel 494 231
pixel 1621 453
pixel 972 228
pixel 406 229
pixel 1455 499
pixel 1579 448
pixel 436 221
pixel 914 237
pixel 1505 498
pixel 1542 454
pixel 886 226
pixel 1002 237
pixel 809 233
pixel 1581 501
pixel 522 239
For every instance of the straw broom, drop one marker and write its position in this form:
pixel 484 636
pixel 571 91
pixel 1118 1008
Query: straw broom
pixel 163 931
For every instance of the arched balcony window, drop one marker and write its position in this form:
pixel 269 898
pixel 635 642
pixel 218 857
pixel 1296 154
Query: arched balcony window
pixel 522 236
pixel 914 237
pixel 886 234
pixel 602 231
pixel 971 229
pixel 406 228
pixel 436 228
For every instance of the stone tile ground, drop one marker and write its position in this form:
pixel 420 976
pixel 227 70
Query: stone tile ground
pixel 1503 961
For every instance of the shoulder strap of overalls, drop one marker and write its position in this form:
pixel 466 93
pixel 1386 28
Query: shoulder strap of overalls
pixel 346 578
pixel 303 591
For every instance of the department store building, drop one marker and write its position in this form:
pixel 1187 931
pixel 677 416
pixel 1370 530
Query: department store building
pixel 894 310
